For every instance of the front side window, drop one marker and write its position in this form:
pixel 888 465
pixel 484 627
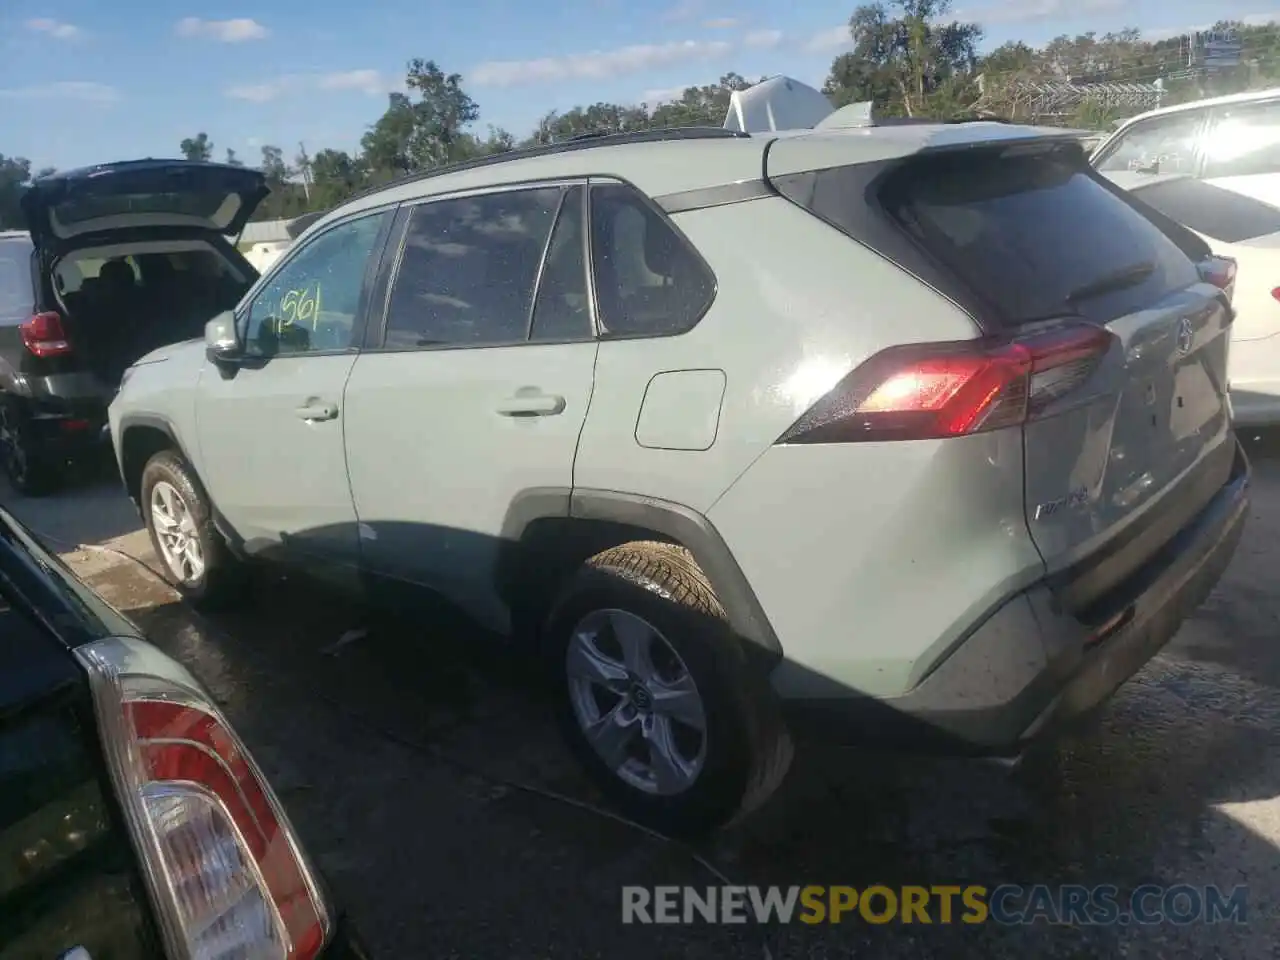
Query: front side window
pixel 311 302
pixel 468 276
pixel 1159 145
pixel 1245 141
pixel 649 281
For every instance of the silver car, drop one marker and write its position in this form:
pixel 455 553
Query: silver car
pixel 912 435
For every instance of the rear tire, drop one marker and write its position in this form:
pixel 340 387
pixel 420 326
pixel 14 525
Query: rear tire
pixel 27 468
pixel 669 774
pixel 179 519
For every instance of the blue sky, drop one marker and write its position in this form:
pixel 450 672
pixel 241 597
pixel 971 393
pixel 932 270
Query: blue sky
pixel 82 81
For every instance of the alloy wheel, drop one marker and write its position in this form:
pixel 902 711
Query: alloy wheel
pixel 176 533
pixel 636 702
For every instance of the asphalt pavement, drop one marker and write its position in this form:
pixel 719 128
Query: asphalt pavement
pixel 427 781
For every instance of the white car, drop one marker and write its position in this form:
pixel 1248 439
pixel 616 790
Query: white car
pixel 1214 166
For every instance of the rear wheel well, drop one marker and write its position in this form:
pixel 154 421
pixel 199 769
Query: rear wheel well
pixel 550 550
pixel 137 446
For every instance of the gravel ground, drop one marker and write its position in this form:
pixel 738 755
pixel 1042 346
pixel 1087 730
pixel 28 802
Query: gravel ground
pixel 450 822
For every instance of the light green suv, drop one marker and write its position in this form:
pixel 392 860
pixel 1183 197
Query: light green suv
pixel 915 435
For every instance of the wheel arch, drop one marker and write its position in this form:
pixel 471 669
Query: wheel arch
pixel 142 436
pixel 550 532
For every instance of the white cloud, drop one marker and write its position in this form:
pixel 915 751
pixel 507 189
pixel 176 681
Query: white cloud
pixel 595 65
pixel 224 31
pixel 832 38
pixel 762 39
pixel 664 94
pixel 1249 19
pixel 1030 11
pixel 369 82
pixel 366 81
pixel 82 90
pixel 54 28
pixel 721 23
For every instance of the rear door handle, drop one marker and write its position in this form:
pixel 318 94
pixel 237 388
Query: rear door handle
pixel 534 405
pixel 314 410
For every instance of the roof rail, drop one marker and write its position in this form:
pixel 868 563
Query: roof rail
pixel 583 141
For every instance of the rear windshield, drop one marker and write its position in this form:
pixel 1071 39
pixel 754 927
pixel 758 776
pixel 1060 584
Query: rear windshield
pixel 209 206
pixel 1035 235
pixel 1221 214
pixel 17 299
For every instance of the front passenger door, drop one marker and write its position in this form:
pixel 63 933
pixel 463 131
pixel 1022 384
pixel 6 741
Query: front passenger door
pixel 270 428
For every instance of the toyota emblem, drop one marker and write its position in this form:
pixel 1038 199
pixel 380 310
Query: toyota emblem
pixel 1186 336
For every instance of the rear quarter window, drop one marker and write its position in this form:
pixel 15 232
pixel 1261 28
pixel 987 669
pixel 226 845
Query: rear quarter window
pixel 1026 231
pixel 17 298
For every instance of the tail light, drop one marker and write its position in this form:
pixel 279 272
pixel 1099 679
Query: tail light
pixel 44 335
pixel 1221 272
pixel 929 391
pixel 226 871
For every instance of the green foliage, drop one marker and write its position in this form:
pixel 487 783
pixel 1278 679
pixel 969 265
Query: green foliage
pixel 199 147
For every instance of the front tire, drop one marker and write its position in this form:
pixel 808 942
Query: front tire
pixel 179 519
pixel 655 695
pixel 25 465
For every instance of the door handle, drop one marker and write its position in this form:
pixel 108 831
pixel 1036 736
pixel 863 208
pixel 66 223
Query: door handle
pixel 533 405
pixel 314 410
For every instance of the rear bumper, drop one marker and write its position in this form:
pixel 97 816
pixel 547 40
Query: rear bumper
pixel 1030 667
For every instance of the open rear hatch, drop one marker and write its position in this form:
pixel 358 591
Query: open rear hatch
pixel 1130 439
pixel 140 194
pixel 143 207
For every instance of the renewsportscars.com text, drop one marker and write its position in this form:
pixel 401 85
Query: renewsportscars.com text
pixel 1007 904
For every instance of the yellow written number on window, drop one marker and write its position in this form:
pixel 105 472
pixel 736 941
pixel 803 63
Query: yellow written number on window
pixel 300 307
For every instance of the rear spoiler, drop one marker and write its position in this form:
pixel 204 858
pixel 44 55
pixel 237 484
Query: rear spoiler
pixel 783 103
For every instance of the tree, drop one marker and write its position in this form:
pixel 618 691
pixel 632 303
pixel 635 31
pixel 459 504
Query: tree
pixel 335 175
pixel 904 55
pixel 199 147
pixel 700 106
pixel 386 144
pixel 231 158
pixel 441 114
pixel 599 118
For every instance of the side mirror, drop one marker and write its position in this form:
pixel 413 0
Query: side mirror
pixel 221 341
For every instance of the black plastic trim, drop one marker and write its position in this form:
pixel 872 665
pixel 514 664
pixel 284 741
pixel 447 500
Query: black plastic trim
pixel 162 424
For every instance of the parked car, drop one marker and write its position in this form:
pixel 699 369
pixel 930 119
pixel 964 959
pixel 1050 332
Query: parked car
pixel 1214 166
pixel 133 821
pixel 913 435
pixel 120 258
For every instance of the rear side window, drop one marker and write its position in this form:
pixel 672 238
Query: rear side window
pixel 649 280
pixel 17 298
pixel 469 270
pixel 1035 235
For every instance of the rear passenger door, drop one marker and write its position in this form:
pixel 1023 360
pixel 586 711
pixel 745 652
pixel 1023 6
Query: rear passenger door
pixel 474 392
